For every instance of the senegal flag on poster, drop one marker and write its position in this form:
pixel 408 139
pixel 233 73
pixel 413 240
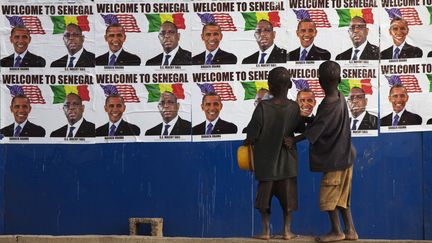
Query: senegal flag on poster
pixel 252 88
pixel 345 15
pixel 346 85
pixel 61 91
pixel 252 19
pixel 60 23
pixel 155 91
pixel 429 76
pixel 156 20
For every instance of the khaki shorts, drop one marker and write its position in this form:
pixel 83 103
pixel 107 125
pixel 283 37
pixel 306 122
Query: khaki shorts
pixel 335 189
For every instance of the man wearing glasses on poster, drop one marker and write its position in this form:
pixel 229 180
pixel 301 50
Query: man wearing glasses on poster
pixel 360 118
pixel 77 56
pixel 172 54
pixel 362 49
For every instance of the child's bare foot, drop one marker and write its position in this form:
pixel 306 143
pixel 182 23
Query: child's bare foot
pixel 289 236
pixel 351 235
pixel 330 237
pixel 262 237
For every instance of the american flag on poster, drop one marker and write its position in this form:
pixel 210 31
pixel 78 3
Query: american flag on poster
pixel 312 84
pixel 32 92
pixel 318 16
pixel 224 20
pixel 126 91
pixel 410 82
pixel 409 14
pixel 127 21
pixel 224 90
pixel 32 23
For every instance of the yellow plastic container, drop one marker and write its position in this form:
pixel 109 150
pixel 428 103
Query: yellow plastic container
pixel 245 158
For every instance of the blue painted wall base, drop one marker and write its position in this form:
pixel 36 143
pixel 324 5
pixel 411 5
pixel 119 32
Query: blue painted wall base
pixel 200 192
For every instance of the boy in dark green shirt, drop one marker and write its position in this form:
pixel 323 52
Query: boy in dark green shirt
pixel 275 165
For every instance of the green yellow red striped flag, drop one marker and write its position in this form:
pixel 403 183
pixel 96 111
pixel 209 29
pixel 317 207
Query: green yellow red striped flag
pixel 252 88
pixel 345 15
pixel 61 91
pixel 156 20
pixel 347 84
pixel 429 76
pixel 252 19
pixel 155 90
pixel 429 8
pixel 61 22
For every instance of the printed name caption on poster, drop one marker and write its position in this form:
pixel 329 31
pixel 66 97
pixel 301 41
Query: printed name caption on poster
pixel 407 68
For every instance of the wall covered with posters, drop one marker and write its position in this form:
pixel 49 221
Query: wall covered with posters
pixel 155 55
pixel 162 72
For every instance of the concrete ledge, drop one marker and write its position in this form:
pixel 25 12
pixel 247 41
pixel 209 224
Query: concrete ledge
pixel 153 239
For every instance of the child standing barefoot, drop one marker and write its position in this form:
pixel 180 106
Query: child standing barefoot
pixel 332 153
pixel 275 165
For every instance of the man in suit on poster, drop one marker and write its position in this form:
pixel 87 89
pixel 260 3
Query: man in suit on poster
pixel 116 126
pixel 172 54
pixel 172 123
pixel 400 49
pixel 362 49
pixel 360 118
pixel 306 32
pixel 212 35
pixel 306 101
pixel 268 51
pixel 77 126
pixel 20 39
pixel 22 127
pixel 211 106
pixel 398 97
pixel 115 36
pixel 77 55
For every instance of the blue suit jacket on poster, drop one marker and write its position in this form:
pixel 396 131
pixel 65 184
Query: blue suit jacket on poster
pixel 221 127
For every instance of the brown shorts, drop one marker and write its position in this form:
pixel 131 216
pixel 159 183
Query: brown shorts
pixel 335 189
pixel 284 190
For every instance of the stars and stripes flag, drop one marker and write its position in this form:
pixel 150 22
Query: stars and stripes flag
pixel 126 91
pixel 312 84
pixel 32 92
pixel 410 82
pixel 224 20
pixel 32 23
pixel 224 90
pixel 318 16
pixel 127 21
pixel 409 14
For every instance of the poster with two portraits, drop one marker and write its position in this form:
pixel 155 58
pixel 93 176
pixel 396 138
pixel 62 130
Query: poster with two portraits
pixel 154 92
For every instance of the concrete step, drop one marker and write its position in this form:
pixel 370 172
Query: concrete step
pixel 154 239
